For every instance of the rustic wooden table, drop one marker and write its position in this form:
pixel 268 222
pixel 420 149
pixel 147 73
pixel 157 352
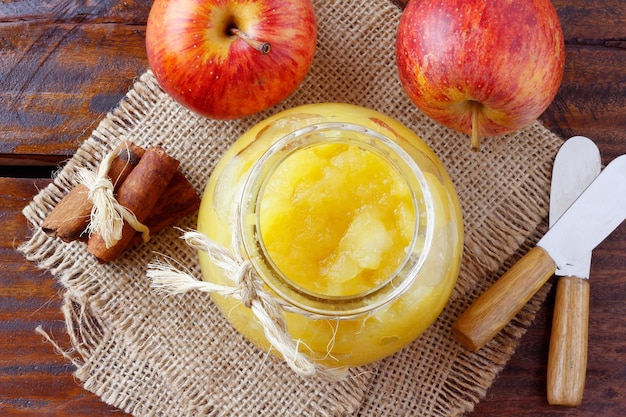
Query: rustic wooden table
pixel 65 64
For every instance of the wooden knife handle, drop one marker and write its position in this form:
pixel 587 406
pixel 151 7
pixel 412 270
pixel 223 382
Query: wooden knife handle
pixel 567 357
pixel 504 299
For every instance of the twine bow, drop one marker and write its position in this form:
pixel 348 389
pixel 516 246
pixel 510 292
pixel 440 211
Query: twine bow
pixel 107 215
pixel 247 288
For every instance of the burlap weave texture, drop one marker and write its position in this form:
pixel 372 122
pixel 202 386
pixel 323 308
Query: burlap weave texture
pixel 155 355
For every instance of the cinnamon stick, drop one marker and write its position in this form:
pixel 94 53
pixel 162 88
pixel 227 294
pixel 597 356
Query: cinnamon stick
pixel 70 217
pixel 178 201
pixel 139 193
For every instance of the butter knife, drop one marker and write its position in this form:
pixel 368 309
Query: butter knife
pixel 576 165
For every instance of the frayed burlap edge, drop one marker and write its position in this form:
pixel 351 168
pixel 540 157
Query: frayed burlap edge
pixel 504 195
pixel 103 333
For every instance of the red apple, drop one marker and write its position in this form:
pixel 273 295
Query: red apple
pixel 482 67
pixel 227 59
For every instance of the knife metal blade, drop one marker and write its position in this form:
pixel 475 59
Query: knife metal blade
pixel 589 220
pixel 576 165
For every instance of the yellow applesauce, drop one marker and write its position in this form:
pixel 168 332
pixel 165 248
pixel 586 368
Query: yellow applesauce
pixel 348 218
pixel 342 225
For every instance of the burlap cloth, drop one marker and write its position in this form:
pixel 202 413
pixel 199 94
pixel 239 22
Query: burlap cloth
pixel 150 354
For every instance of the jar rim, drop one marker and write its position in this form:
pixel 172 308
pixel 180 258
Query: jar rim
pixel 297 298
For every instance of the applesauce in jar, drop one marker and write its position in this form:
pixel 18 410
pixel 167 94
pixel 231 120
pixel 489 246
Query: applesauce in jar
pixel 348 218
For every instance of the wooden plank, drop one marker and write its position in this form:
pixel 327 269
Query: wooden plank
pixel 66 64
pixel 34 379
pixel 63 66
pixel 57 83
pixel 592 98
pixel 59 11
pixel 591 20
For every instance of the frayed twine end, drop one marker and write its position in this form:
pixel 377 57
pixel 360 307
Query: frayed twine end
pixel 248 288
pixel 107 215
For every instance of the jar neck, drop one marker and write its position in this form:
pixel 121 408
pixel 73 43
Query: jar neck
pixel 304 299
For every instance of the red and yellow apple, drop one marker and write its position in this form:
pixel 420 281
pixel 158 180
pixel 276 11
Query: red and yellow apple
pixel 482 67
pixel 227 59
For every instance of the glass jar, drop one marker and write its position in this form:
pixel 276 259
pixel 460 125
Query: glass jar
pixel 348 218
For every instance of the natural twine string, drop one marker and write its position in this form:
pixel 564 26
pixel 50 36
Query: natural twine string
pixel 248 288
pixel 107 215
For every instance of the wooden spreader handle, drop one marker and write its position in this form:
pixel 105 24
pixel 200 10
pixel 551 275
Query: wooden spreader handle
pixel 567 357
pixel 504 299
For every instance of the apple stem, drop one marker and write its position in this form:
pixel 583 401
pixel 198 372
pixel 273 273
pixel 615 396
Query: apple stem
pixel 475 140
pixel 262 47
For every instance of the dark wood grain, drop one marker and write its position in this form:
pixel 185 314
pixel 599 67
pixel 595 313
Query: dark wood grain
pixel 64 64
pixel 34 379
pixel 592 97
